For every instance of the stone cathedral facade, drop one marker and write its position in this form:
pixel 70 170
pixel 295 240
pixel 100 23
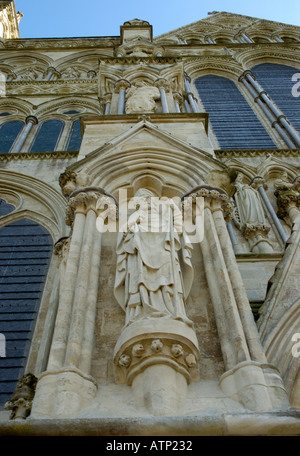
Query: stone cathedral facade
pixel 188 325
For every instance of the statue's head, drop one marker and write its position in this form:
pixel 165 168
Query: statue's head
pixel 144 193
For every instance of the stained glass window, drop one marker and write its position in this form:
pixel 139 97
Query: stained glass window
pixel 25 252
pixel 8 134
pixel 48 135
pixel 277 81
pixel 75 136
pixel 233 120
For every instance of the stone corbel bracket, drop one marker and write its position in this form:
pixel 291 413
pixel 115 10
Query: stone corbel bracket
pixel 137 355
pixel 172 344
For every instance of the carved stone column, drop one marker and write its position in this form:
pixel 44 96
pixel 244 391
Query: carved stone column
pixel 163 86
pixel 29 123
pixel 67 385
pixel 248 378
pixel 120 87
pixel 107 102
pixel 189 94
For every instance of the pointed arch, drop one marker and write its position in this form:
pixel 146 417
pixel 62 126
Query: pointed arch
pixel 25 253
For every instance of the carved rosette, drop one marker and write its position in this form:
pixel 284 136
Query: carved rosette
pixel 21 401
pixel 136 356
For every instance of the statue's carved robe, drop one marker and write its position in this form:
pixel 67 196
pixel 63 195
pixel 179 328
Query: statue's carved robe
pixel 249 205
pixel 154 271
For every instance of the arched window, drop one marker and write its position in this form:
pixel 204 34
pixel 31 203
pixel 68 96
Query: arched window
pixel 8 134
pixel 234 123
pixel 75 136
pixel 48 135
pixel 25 252
pixel 277 81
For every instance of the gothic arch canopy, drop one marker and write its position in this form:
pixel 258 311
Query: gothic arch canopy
pixel 117 163
pixel 38 201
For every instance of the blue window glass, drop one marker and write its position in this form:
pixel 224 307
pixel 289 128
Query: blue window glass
pixel 276 80
pixel 234 122
pixel 5 208
pixel 25 252
pixel 75 136
pixel 71 112
pixel 8 134
pixel 47 136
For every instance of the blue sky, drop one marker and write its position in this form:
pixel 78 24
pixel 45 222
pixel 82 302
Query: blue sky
pixel 67 18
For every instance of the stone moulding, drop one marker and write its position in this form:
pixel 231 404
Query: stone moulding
pixel 57 155
pixel 249 153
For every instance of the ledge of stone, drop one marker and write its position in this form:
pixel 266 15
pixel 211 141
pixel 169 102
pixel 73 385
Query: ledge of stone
pixel 214 424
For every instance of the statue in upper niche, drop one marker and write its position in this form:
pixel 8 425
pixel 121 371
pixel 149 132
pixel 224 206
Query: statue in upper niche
pixel 141 98
pixel 154 271
pixel 71 73
pixel 28 74
pixel 248 204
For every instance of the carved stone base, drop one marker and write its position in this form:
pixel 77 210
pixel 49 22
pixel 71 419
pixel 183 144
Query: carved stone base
pixel 158 357
pixel 61 394
pixel 258 387
pixel 257 236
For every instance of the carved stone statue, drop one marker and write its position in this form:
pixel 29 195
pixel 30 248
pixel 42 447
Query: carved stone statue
pixel 141 98
pixel 154 272
pixel 28 75
pixel 248 203
pixel 71 73
pixel 287 194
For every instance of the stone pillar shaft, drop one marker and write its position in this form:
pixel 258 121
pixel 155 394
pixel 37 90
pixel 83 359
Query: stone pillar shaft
pixel 234 334
pixel 30 121
pixel 61 332
pixel 76 331
pixel 244 309
pixel 90 313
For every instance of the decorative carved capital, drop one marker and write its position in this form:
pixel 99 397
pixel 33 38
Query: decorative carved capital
pixel 31 119
pixel 122 84
pixel 69 181
pixel 257 182
pixel 178 98
pixel 107 97
pixel 162 83
pixel 287 195
pixel 250 231
pixel 215 198
pixel 90 198
pixel 61 247
pixel 21 400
